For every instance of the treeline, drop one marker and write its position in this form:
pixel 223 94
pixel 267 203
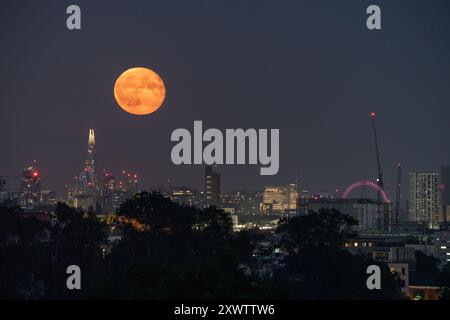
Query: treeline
pixel 169 251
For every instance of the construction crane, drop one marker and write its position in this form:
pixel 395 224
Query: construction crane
pixel 380 175
pixel 398 193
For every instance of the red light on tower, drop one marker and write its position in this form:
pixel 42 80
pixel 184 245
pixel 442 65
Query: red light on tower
pixel 372 114
pixel 35 176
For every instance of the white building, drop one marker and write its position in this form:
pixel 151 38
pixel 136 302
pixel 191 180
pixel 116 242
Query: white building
pixel 424 204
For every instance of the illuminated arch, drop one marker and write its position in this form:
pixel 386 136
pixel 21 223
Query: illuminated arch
pixel 366 183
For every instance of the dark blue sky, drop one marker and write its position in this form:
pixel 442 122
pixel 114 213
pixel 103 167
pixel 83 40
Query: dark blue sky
pixel 309 68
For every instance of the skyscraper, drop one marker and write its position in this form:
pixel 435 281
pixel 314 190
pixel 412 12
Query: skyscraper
pixel 445 192
pixel 424 201
pixel 212 186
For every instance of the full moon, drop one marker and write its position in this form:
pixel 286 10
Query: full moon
pixel 139 91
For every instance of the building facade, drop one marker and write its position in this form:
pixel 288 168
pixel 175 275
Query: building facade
pixel 279 199
pixel 212 186
pixel 445 192
pixel 370 214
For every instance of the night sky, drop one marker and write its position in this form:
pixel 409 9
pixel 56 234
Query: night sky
pixel 309 68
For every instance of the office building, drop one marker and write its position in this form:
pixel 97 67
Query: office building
pixel 445 192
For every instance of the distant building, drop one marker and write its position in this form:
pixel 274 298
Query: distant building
pixel 236 200
pixel 442 246
pixel 30 186
pixel 184 195
pixel 401 260
pixel 254 201
pixel 233 216
pixel 107 192
pixel 279 199
pixel 423 200
pixel 124 188
pixel 212 186
pixel 84 191
pixel 445 192
pixel 48 197
pixel 370 214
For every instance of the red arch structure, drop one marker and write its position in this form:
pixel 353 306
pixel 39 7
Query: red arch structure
pixel 366 183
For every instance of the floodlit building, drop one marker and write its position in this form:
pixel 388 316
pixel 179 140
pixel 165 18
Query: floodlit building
pixel 236 200
pixel 212 186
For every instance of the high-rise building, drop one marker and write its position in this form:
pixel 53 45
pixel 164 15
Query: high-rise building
pixel 107 192
pixel 236 200
pixel 30 186
pixel 423 200
pixel 85 190
pixel 212 186
pixel 445 192
pixel 281 199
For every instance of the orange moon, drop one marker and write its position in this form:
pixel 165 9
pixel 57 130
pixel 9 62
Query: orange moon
pixel 139 91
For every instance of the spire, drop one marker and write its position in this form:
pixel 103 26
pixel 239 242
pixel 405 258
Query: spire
pixel 91 137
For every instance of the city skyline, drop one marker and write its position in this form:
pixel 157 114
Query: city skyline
pixel 88 174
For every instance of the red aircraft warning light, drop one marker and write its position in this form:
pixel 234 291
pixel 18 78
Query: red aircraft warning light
pixel 372 114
